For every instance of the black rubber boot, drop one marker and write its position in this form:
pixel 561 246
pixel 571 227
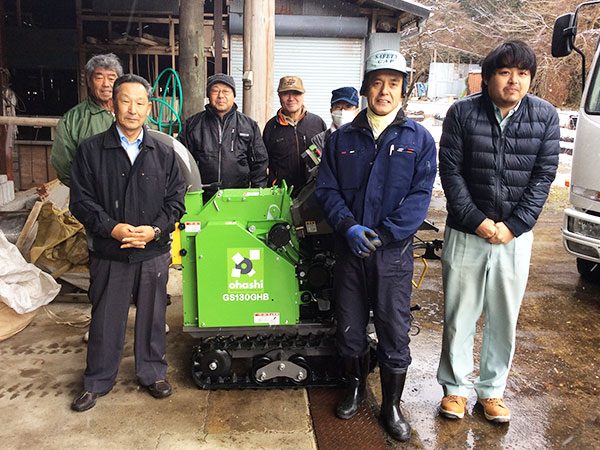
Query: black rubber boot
pixel 392 385
pixel 357 370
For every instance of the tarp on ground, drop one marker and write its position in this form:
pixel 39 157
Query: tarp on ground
pixel 60 246
pixel 60 240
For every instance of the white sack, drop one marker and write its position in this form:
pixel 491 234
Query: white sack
pixel 23 286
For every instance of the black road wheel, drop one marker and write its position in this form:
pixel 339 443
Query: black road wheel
pixel 216 363
pixel 212 364
pixel 259 361
pixel 305 375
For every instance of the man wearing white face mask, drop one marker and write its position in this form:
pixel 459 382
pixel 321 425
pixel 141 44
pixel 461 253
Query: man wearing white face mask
pixel 344 108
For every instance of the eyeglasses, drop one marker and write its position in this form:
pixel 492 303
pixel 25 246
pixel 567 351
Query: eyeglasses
pixel 217 92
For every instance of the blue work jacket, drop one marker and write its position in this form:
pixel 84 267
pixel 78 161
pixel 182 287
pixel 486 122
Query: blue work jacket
pixel 385 184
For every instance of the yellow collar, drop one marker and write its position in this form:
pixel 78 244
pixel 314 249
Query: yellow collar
pixel 379 123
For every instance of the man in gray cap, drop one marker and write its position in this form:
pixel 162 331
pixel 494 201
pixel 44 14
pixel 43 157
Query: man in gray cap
pixel 288 134
pixel 226 144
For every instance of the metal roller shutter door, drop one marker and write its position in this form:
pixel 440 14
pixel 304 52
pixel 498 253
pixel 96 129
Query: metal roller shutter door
pixel 323 64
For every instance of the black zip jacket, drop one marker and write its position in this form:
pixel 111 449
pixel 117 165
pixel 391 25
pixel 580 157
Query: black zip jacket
pixel 505 176
pixel 229 152
pixel 107 190
pixel 285 143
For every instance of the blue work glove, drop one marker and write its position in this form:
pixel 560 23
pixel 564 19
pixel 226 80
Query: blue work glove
pixel 362 240
pixel 376 241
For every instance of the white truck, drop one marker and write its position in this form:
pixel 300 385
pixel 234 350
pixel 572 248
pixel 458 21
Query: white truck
pixel 581 225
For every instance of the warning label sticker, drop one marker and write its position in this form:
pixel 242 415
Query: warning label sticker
pixel 268 318
pixel 311 226
pixel 193 227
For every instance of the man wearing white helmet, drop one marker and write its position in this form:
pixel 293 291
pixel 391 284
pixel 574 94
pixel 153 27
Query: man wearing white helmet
pixel 374 183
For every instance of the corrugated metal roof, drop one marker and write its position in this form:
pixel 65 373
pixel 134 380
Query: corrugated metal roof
pixel 404 5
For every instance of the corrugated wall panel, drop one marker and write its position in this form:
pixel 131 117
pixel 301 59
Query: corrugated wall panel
pixel 323 64
pixel 236 65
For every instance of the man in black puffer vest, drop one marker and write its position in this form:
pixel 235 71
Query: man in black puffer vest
pixel 498 157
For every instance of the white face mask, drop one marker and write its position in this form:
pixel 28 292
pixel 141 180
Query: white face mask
pixel 341 117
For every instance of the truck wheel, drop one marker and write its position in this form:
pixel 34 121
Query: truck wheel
pixel 589 270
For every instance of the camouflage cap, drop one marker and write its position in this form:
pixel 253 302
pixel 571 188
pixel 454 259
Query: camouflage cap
pixel 290 83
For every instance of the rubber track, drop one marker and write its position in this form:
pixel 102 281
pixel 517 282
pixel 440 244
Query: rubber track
pixel 246 348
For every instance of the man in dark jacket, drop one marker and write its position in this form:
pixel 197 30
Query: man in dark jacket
pixel 374 184
pixel 226 144
pixel 127 191
pixel 498 156
pixel 288 134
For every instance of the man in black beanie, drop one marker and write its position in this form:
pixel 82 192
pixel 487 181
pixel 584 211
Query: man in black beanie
pixel 226 144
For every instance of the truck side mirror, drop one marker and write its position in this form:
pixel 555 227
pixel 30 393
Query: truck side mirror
pixel 563 35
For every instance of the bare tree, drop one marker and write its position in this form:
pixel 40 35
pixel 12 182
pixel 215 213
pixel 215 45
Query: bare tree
pixel 477 26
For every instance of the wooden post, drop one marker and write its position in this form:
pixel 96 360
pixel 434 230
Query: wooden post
pixel 374 21
pixel 6 167
pixel 259 43
pixel 191 56
pixel 82 79
pixel 172 42
pixel 218 35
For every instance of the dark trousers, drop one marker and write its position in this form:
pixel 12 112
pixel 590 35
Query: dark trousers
pixel 112 283
pixel 381 282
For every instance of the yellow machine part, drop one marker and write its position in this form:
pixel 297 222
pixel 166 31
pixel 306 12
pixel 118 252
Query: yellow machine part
pixel 417 285
pixel 176 245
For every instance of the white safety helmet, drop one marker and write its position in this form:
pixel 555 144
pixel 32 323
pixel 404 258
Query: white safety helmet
pixel 384 59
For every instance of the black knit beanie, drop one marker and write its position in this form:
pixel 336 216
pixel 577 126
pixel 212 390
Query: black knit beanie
pixel 220 78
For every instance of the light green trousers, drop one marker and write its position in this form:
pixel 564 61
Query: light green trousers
pixel 481 277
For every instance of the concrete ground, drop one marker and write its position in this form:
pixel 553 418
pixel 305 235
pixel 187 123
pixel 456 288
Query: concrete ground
pixel 552 391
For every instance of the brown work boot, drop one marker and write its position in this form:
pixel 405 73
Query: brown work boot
pixel 495 410
pixel 453 407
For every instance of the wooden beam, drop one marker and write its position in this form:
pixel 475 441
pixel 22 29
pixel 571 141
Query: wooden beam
pixel 103 18
pixel 29 121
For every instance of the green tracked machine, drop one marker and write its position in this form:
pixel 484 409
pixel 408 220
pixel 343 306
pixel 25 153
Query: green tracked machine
pixel 257 270
pixel 257 298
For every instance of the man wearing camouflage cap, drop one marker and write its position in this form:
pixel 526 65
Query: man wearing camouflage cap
pixel 289 133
